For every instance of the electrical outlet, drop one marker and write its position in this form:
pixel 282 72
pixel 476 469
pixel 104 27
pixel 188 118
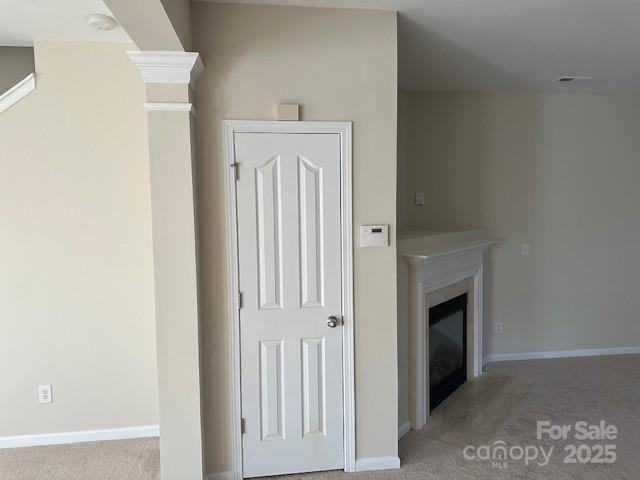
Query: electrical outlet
pixel 44 394
pixel 524 249
pixel 498 327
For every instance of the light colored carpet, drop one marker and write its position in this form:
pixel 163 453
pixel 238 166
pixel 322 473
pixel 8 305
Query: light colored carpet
pixel 504 404
pixel 136 459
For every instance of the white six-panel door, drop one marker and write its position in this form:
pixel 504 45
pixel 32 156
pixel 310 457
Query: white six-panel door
pixel 289 257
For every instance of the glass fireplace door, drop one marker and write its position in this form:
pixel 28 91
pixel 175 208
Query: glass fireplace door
pixel 447 348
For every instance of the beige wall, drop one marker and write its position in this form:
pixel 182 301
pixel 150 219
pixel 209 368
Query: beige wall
pixel 557 171
pixel 15 64
pixel 76 283
pixel 405 198
pixel 339 65
pixel 402 268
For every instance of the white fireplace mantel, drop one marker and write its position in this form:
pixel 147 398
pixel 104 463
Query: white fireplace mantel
pixel 432 267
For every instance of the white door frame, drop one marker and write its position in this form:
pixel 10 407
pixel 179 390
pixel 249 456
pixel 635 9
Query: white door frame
pixel 232 127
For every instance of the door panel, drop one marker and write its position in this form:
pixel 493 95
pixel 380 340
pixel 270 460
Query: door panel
pixel 289 245
pixel 311 254
pixel 268 202
pixel 313 387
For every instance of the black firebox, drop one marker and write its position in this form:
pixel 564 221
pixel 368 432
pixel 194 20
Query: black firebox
pixel 447 348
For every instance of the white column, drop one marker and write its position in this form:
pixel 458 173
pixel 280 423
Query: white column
pixel 168 77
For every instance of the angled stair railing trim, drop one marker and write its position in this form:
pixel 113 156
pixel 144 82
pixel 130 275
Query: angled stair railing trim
pixel 17 92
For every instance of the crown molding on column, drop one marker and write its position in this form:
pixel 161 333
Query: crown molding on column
pixel 170 107
pixel 168 67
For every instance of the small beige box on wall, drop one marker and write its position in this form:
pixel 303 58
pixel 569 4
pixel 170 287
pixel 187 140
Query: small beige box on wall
pixel 288 112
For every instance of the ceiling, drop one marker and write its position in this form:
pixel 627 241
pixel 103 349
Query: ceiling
pixel 510 45
pixel 23 21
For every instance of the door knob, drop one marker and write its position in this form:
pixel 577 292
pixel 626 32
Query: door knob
pixel 333 322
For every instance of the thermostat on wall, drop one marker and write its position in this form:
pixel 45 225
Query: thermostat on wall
pixel 374 235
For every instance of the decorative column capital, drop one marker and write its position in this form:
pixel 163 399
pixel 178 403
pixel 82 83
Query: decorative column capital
pixel 168 67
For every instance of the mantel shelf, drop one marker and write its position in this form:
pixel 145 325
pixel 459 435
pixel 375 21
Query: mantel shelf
pixel 449 248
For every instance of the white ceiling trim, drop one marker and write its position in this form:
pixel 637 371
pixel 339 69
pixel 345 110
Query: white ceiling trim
pixel 17 92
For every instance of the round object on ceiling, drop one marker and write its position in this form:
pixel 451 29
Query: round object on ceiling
pixel 99 21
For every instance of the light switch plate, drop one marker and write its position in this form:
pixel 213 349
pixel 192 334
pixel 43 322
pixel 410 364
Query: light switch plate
pixel 374 236
pixel 419 199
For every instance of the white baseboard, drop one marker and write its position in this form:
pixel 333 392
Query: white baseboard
pixel 404 429
pixel 362 465
pixel 18 441
pixel 593 352
pixel 377 463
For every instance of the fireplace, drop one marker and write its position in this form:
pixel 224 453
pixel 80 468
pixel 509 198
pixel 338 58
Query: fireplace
pixel 447 348
pixel 435 262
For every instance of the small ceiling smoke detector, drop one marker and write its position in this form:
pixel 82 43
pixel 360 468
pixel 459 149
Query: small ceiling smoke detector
pixel 573 78
pixel 98 21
